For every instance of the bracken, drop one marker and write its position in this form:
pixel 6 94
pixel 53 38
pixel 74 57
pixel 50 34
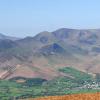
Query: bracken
pixel 88 96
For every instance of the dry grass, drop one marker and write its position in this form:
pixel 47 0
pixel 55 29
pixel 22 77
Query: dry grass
pixel 88 96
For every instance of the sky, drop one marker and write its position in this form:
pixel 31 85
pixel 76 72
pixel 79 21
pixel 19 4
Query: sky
pixel 22 18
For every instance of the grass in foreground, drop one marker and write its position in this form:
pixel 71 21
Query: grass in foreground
pixel 86 96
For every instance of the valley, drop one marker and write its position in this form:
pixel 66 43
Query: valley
pixel 49 50
pixel 20 88
pixel 65 61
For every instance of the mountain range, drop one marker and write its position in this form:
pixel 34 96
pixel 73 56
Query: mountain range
pixel 42 55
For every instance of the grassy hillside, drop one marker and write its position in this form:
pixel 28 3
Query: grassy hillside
pixel 79 75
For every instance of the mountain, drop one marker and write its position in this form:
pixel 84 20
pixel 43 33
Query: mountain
pixel 6 44
pixel 3 37
pixel 43 54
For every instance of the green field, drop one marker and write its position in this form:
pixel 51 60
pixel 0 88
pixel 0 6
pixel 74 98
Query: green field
pixel 30 88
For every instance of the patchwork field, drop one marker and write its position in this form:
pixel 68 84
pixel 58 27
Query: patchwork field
pixel 78 82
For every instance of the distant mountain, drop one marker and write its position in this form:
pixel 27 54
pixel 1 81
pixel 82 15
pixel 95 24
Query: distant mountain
pixel 7 44
pixel 44 53
pixel 2 37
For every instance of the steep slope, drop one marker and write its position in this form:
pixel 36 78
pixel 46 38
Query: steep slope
pixel 52 49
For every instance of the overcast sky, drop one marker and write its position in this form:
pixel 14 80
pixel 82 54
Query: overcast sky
pixel 28 17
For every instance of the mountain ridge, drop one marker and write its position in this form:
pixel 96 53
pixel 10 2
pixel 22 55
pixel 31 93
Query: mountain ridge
pixel 62 47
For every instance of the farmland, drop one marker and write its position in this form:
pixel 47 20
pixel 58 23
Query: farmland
pixel 23 88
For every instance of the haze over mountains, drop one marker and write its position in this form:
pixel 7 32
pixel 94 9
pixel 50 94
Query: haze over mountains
pixel 43 54
pixel 3 37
